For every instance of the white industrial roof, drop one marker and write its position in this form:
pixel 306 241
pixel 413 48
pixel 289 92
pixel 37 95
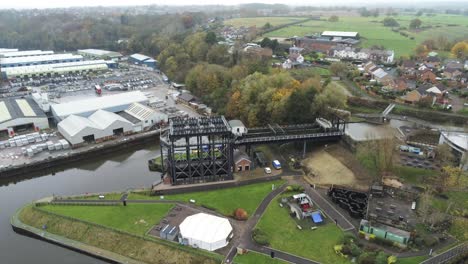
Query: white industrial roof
pixel 139 111
pixel 140 57
pixel 74 124
pixel 379 73
pixel 93 104
pixel 27 53
pixel 4 113
pixel 99 52
pixel 205 227
pixel 103 119
pixel 43 58
pixel 340 33
pixel 25 107
pixel 3 50
pixel 55 67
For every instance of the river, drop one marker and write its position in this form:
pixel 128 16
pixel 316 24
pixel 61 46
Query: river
pixel 117 172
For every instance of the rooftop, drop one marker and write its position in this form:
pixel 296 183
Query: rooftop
pixel 52 67
pixel 340 33
pixel 11 108
pixel 96 103
pixel 139 111
pixel 44 58
pixel 458 139
pixel 205 227
pixel 99 52
pixel 26 53
pixel 140 57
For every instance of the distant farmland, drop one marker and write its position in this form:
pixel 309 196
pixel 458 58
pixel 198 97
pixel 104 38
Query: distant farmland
pixel 373 32
pixel 261 21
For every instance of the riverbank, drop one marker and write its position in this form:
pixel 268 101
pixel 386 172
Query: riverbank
pixel 81 154
pixel 105 243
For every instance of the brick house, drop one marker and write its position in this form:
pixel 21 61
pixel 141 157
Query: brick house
pixel 427 76
pixel 242 161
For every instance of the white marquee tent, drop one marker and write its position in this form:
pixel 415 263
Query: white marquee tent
pixel 206 231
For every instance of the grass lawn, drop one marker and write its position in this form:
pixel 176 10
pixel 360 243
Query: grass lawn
pixel 256 258
pixel 459 228
pixel 373 32
pixel 416 176
pixel 226 200
pixel 153 251
pixel 261 21
pixel 133 218
pixel 412 260
pixel 283 234
pixel 107 196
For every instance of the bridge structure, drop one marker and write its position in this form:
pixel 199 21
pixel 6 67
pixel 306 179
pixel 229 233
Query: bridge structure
pixel 201 149
pixel 379 118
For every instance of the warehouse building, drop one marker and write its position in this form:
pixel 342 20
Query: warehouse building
pixel 25 53
pixel 100 54
pixel 56 69
pixel 140 59
pixel 100 126
pixel 3 50
pixel 112 103
pixel 143 117
pixel 18 115
pixel 39 60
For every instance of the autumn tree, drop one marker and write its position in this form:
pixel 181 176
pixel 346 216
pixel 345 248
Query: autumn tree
pixel 460 49
pixel 378 155
pixel 444 155
pixel 339 69
pixel 424 205
pixel 415 23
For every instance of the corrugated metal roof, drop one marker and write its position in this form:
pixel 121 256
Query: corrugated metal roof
pixel 25 107
pixel 44 58
pixel 55 67
pixel 94 104
pixel 104 119
pixel 140 57
pixel 100 52
pixel 139 111
pixel 11 108
pixel 24 53
pixel 74 124
pixel 3 50
pixel 4 113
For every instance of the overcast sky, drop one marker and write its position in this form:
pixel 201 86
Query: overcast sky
pixel 69 3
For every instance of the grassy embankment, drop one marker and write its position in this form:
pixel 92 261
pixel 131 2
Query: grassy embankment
pixel 225 201
pixel 126 235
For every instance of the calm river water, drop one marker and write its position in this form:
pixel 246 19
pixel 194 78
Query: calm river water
pixel 117 172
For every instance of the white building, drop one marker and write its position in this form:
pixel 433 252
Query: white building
pixel 100 126
pixel 205 231
pixel 21 115
pixel 143 117
pixel 237 127
pixel 459 143
pixel 112 103
pixel 382 56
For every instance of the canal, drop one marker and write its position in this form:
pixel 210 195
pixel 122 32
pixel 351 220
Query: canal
pixel 117 172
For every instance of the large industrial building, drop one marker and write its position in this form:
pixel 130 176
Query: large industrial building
pixel 38 60
pixel 100 54
pixel 340 34
pixel 56 69
pixel 4 51
pixel 205 231
pixel 143 117
pixel 140 59
pixel 17 115
pixel 112 103
pixel 25 53
pixel 100 126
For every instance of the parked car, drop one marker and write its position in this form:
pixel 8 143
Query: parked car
pixel 267 170
pixel 276 164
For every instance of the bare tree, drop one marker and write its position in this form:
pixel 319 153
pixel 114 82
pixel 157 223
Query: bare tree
pixel 425 204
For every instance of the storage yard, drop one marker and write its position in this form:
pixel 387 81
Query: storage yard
pixel 54 105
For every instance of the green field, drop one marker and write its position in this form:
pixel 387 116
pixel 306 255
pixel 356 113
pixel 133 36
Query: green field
pixel 133 218
pixel 150 250
pixel 284 235
pixel 261 21
pixel 224 201
pixel 373 32
pixel 256 258
pixel 416 176
pixel 458 200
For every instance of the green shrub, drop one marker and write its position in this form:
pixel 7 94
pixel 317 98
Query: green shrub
pixel 366 258
pixel 348 238
pixel 355 250
pixel 430 240
pixel 260 237
pixel 295 188
pixel 381 258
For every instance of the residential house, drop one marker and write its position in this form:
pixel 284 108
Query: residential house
pixel 295 58
pixel 400 85
pixel 454 65
pixel 382 76
pixel 434 61
pixel 427 76
pixel 381 56
pixel 408 67
pixel 412 97
pixel 452 73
